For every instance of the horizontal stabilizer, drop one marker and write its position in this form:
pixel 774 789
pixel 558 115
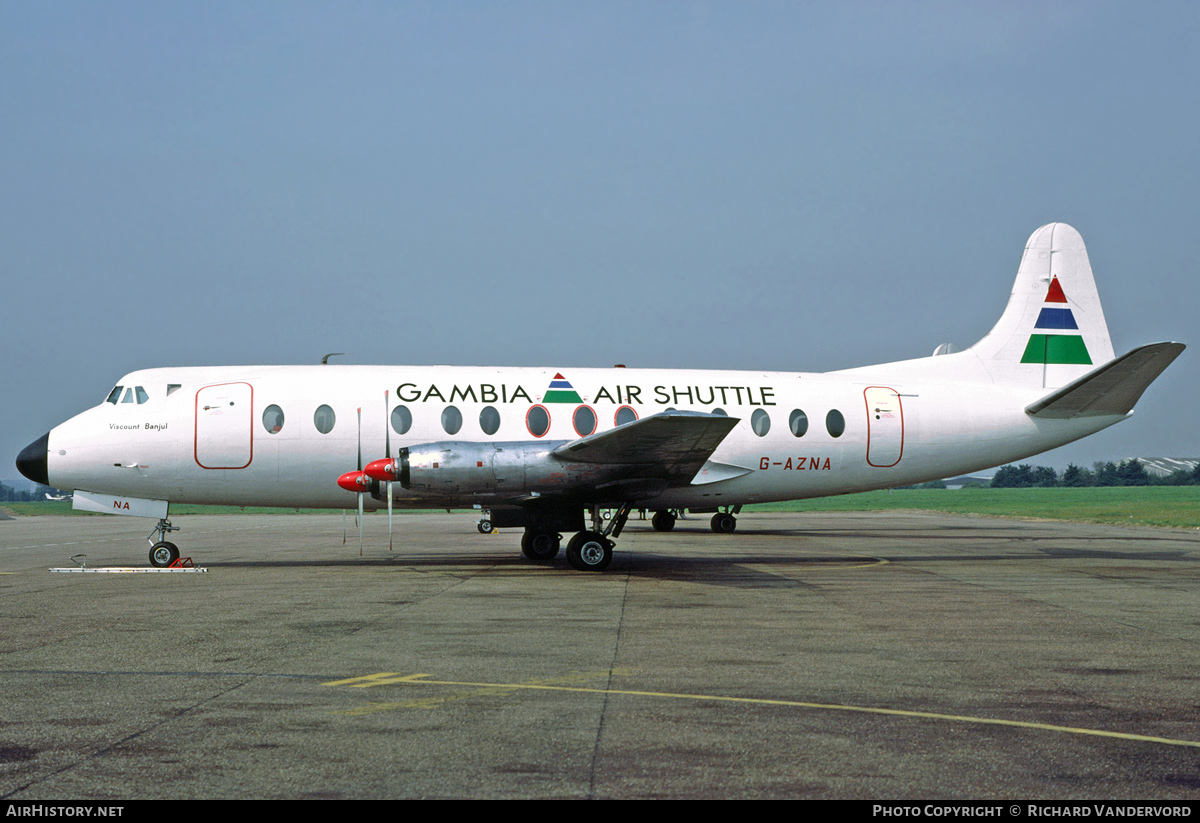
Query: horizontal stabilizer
pixel 1111 389
pixel 675 443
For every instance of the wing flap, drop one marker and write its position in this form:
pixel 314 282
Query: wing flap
pixel 1111 389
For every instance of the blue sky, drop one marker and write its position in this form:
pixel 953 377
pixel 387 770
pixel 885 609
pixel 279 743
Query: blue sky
pixel 793 186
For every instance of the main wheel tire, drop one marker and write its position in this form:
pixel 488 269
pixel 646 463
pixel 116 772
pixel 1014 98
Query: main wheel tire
pixel 540 547
pixel 589 552
pixel 723 523
pixel 163 554
pixel 663 521
pixel 485 527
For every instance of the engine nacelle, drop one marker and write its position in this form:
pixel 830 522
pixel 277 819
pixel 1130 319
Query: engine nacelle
pixel 454 467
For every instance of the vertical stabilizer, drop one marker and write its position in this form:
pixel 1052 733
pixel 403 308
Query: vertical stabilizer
pixel 1053 330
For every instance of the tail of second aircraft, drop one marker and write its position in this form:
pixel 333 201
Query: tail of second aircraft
pixel 1053 330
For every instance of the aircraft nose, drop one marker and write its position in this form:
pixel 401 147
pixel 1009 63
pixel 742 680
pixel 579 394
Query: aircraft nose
pixel 31 462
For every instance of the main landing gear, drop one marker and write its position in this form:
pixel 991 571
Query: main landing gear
pixel 162 552
pixel 663 520
pixel 540 547
pixel 723 523
pixel 589 550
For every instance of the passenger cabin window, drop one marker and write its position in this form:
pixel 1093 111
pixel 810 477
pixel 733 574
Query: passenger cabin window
pixel 584 421
pixel 489 420
pixel 760 422
pixel 624 415
pixel 323 419
pixel 835 423
pixel 273 419
pixel 537 419
pixel 798 422
pixel 451 419
pixel 401 420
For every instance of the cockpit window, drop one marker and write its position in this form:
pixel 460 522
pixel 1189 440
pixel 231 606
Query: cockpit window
pixel 172 387
pixel 133 394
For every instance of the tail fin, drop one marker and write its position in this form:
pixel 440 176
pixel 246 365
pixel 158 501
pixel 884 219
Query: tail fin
pixel 1053 330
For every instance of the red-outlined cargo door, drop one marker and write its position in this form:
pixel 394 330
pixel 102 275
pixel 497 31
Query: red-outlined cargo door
pixel 225 426
pixel 885 426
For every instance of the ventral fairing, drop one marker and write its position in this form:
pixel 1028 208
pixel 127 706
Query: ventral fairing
pixel 572 450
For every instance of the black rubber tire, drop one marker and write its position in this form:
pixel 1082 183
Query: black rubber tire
pixel 663 521
pixel 540 547
pixel 723 523
pixel 163 554
pixel 589 552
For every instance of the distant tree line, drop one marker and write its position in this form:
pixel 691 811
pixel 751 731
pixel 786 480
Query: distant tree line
pixel 1125 473
pixel 10 495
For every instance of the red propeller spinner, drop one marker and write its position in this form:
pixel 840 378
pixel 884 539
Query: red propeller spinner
pixel 354 481
pixel 383 469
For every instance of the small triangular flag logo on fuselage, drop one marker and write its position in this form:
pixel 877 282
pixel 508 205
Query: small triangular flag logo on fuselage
pixel 561 391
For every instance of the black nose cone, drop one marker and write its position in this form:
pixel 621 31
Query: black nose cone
pixel 31 462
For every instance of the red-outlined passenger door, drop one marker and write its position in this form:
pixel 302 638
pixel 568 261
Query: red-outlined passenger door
pixel 885 426
pixel 225 426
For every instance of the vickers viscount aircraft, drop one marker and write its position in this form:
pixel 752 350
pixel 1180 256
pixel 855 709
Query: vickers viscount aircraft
pixel 549 449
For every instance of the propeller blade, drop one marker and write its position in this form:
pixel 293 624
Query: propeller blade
pixel 387 450
pixel 363 475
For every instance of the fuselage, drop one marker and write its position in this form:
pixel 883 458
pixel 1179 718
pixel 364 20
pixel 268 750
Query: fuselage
pixel 282 435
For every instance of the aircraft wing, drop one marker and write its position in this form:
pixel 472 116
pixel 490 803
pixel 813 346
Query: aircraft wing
pixel 1110 389
pixel 671 445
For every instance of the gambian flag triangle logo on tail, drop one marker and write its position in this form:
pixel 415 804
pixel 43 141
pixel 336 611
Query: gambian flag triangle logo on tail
pixel 561 391
pixel 1056 348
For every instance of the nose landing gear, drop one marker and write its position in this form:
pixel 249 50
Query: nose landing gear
pixel 162 552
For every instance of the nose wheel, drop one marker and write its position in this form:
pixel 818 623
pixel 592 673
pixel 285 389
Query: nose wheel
pixel 162 552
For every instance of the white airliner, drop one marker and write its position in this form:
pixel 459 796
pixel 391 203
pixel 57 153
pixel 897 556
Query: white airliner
pixel 547 449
